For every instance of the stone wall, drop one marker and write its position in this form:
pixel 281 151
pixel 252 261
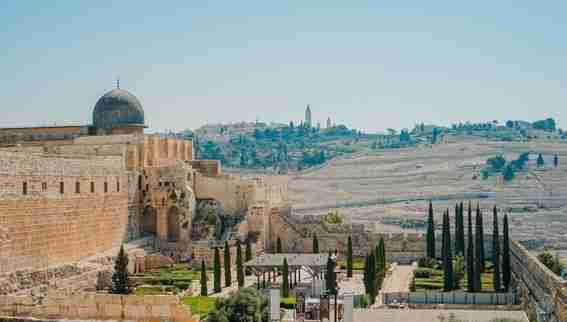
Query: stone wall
pixel 55 210
pixel 100 307
pixel 539 288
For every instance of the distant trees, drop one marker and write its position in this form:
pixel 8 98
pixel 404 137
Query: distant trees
pixel 204 291
pixel 217 272
pixel 550 261
pixel 120 277
pixel 459 230
pixel 556 160
pixel 430 233
pixel 540 161
pixel 548 125
pixel 227 272
pixel 349 257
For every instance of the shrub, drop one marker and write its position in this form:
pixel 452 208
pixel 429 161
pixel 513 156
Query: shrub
pixel 422 273
pixel 426 262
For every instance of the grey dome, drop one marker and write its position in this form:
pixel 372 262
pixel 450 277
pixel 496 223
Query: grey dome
pixel 117 108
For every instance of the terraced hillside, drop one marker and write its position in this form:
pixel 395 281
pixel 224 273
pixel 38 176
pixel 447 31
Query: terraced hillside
pixel 394 184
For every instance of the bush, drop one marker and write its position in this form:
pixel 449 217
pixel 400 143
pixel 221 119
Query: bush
pixel 364 302
pixel 288 303
pixel 426 262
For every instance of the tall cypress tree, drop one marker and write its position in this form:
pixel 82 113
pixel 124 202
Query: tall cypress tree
pixel 377 254
pixel 204 291
pixel 556 160
pixel 496 278
pixel 349 257
pixel 120 277
pixel 430 233
pixel 239 267
pixel 447 255
pixel 248 255
pixel 470 255
pixel 460 231
pixel 481 240
pixel 285 279
pixel 330 277
pixel 315 244
pixel 217 272
pixel 227 273
pixel 478 250
pixel 372 289
pixel 382 249
pixel 279 246
pixel 365 276
pixel 506 265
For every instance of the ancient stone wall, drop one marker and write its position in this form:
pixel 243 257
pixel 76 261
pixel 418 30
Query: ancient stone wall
pixel 101 307
pixel 540 288
pixel 56 210
pixel 209 168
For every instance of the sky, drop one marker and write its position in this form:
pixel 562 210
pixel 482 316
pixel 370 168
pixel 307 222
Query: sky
pixel 371 65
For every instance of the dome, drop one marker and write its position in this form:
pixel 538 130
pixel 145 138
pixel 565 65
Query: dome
pixel 117 108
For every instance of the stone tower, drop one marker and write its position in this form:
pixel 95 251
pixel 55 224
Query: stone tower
pixel 308 116
pixel 329 123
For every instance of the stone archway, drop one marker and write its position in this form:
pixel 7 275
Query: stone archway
pixel 173 224
pixel 149 221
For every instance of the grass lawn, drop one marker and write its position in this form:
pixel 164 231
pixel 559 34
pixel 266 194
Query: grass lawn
pixel 357 265
pixel 200 305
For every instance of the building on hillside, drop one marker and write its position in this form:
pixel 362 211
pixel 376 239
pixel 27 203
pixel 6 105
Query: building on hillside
pixel 308 120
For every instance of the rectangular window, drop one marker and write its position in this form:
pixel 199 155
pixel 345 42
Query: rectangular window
pixel 61 187
pixel 25 188
pixel 105 187
pixel 77 187
pixel 117 186
pixel 92 187
pixel 43 186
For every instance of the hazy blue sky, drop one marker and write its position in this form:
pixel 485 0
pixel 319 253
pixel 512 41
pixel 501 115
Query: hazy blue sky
pixel 368 64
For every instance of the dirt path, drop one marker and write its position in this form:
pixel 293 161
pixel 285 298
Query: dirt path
pixel 398 281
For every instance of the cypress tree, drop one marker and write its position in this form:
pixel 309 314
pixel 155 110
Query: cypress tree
pixel 372 290
pixel 470 255
pixel 285 279
pixel 377 257
pixel 478 250
pixel 540 161
pixel 248 255
pixel 382 249
pixel 447 255
pixel 204 291
pixel 365 276
pixel 217 272
pixel 315 244
pixel 506 267
pixel 430 233
pixel 481 239
pixel 279 246
pixel 239 267
pixel 330 276
pixel 556 160
pixel 349 257
pixel 120 277
pixel 460 231
pixel 227 273
pixel 496 278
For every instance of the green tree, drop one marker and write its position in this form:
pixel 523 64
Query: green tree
pixel 239 266
pixel 459 230
pixel 285 279
pixel 447 255
pixel 330 276
pixel 349 257
pixel 540 161
pixel 371 277
pixel 556 160
pixel 245 305
pixel 248 254
pixel 315 244
pixel 120 277
pixel 470 255
pixel 458 271
pixel 508 172
pixel 496 276
pixel 506 265
pixel 382 255
pixel 430 233
pixel 227 272
pixel 479 251
pixel 279 246
pixel 217 272
pixel 557 266
pixel 204 291
pixel 480 226
pixel 365 276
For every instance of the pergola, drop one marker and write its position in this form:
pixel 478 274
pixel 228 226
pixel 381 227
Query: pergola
pixel 314 264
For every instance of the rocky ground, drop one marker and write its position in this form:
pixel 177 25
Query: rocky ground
pixel 392 186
